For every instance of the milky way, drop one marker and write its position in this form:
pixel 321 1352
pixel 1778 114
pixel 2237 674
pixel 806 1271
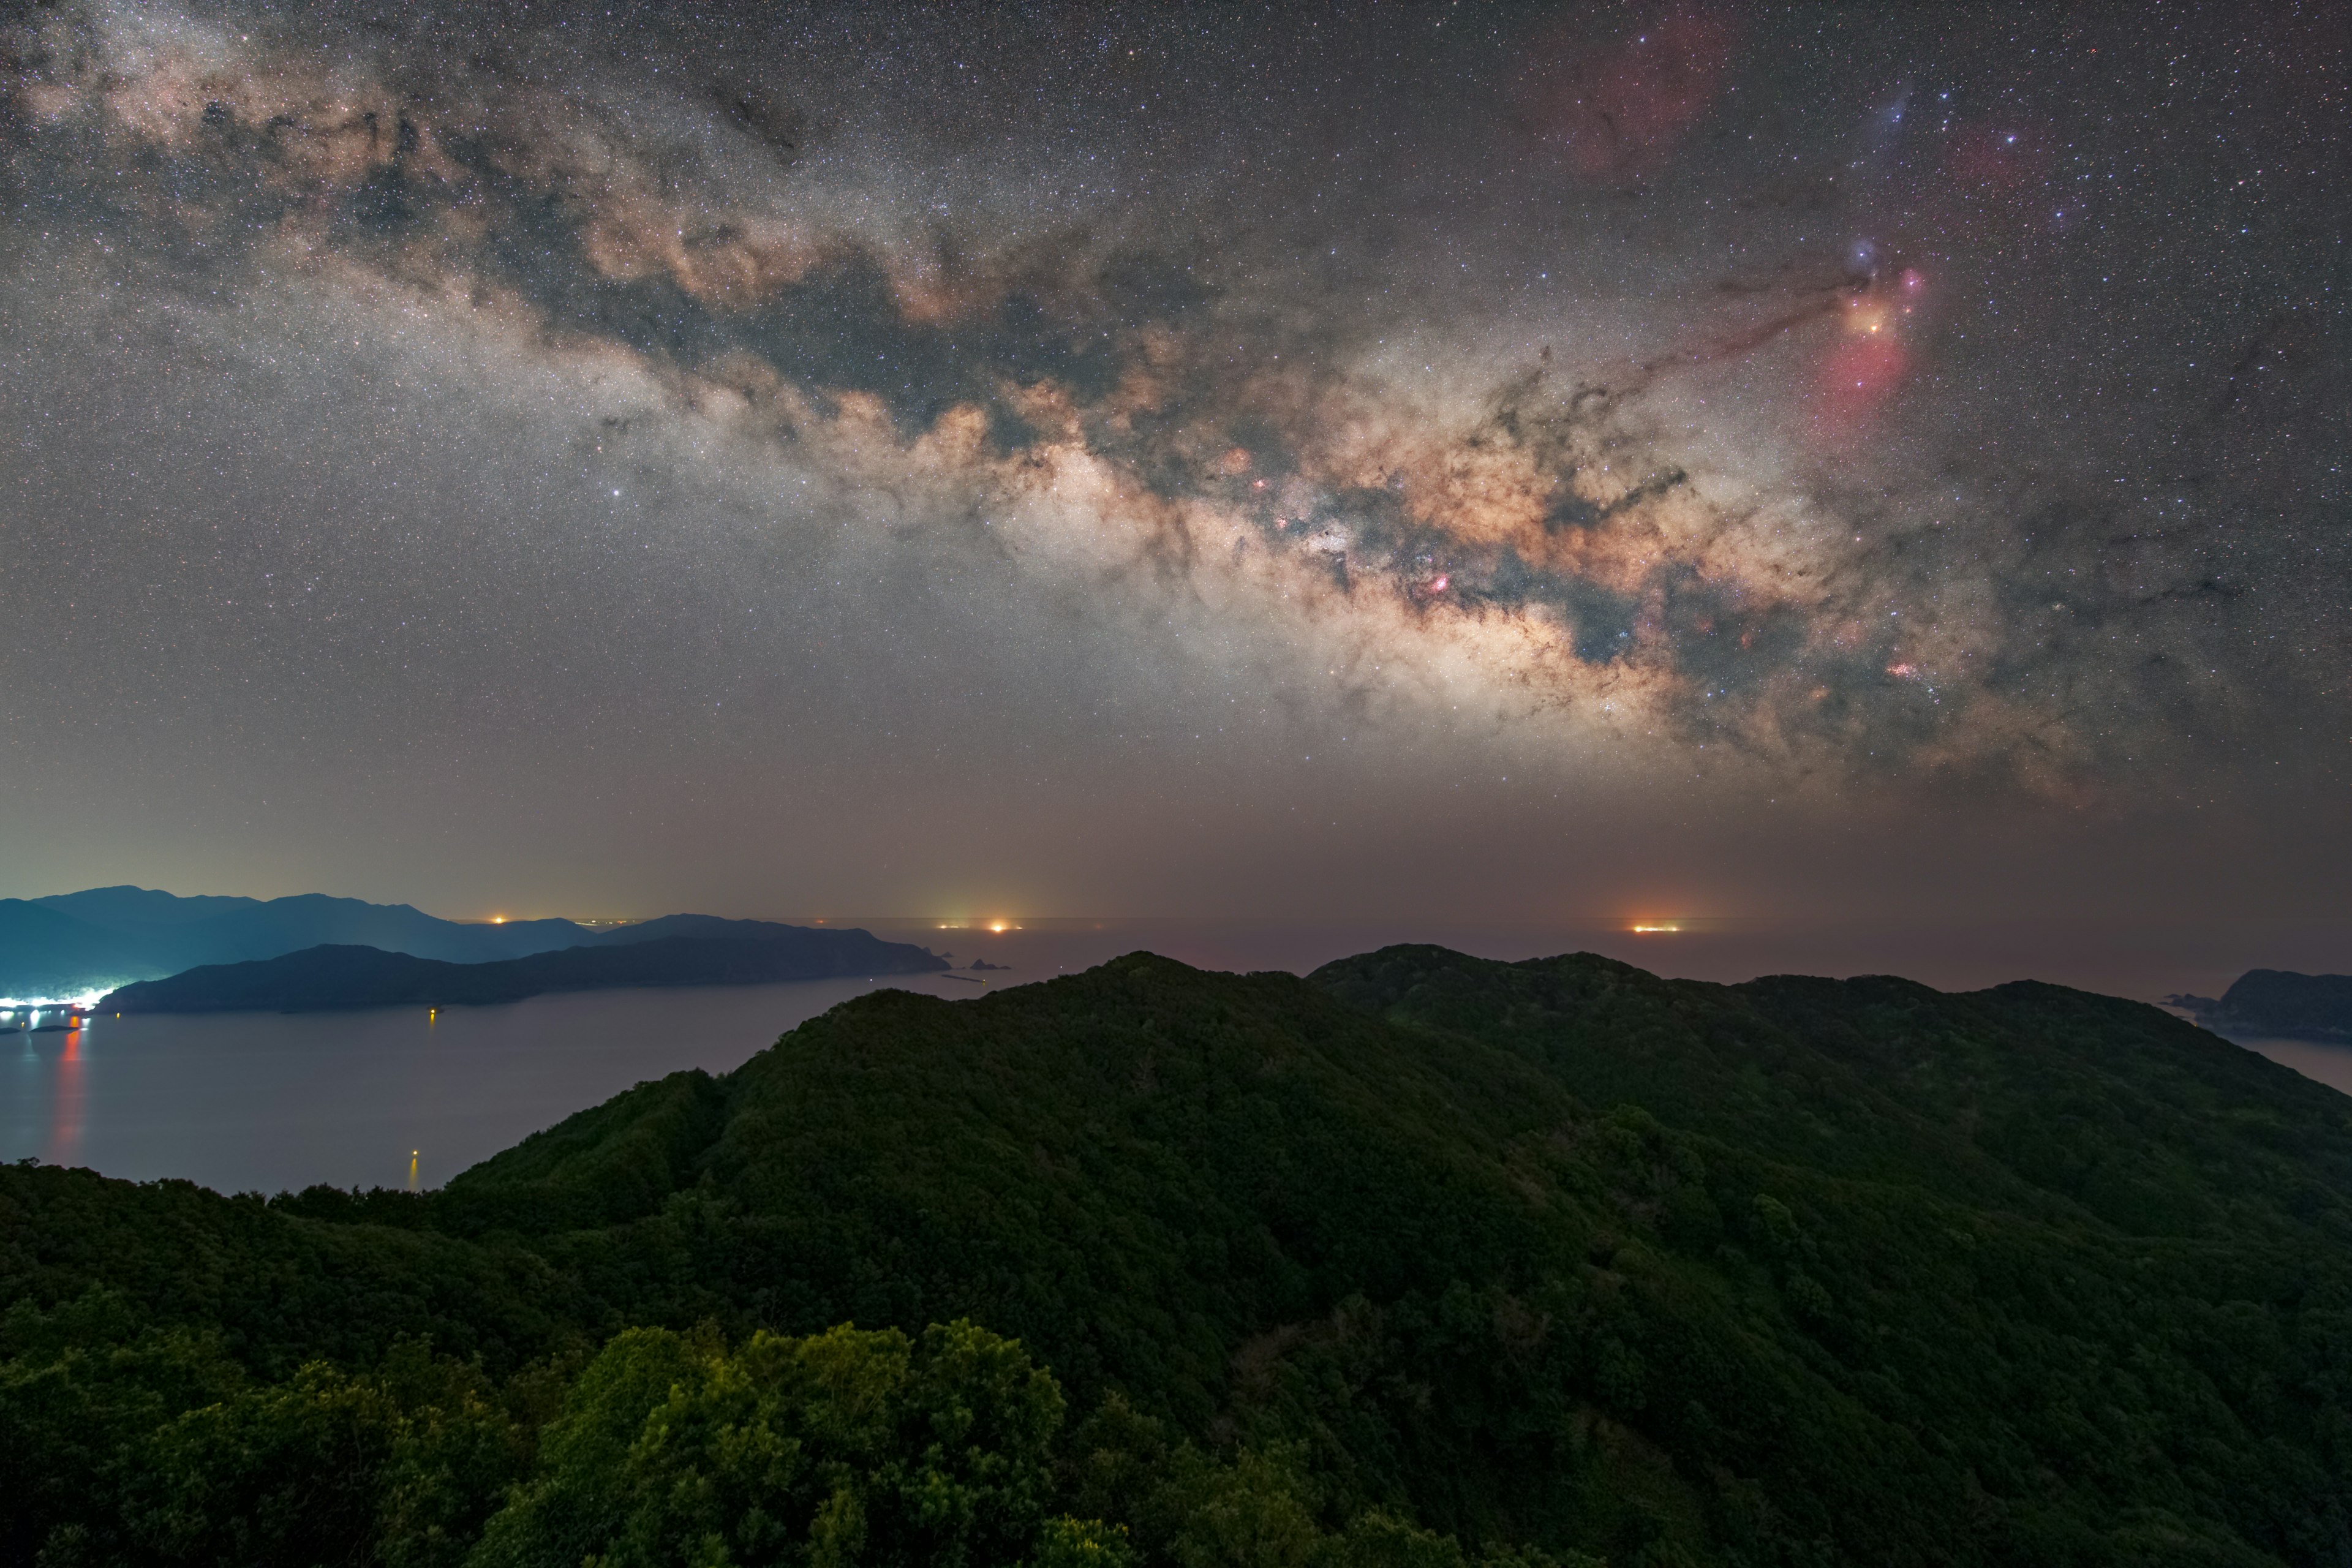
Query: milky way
pixel 896 410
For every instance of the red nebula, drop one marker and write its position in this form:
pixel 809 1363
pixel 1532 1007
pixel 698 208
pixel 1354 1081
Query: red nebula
pixel 1856 381
pixel 1622 111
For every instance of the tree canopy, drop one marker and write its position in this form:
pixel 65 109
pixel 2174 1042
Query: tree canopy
pixel 1422 1260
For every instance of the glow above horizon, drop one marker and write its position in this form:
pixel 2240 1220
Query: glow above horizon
pixel 1117 462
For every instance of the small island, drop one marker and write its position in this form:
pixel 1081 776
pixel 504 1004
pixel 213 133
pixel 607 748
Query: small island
pixel 336 976
pixel 2278 1004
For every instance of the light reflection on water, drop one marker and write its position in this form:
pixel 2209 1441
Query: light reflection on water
pixel 265 1101
pixel 66 1096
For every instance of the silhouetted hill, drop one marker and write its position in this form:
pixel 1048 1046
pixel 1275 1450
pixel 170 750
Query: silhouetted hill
pixel 691 925
pixel 1555 1257
pixel 93 941
pixel 48 953
pixel 2280 1004
pixel 70 944
pixel 97 940
pixel 309 920
pixel 343 976
pixel 126 908
pixel 2033 1097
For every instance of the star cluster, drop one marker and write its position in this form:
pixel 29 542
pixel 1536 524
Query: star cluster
pixel 1947 409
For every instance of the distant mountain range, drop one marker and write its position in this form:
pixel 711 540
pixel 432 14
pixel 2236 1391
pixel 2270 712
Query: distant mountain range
pixel 696 950
pixel 70 944
pixel 2278 1003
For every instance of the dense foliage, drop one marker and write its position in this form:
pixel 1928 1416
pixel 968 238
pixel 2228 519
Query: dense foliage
pixel 1425 1260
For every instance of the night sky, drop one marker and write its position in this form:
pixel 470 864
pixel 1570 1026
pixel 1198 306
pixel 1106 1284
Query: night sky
pixel 1740 461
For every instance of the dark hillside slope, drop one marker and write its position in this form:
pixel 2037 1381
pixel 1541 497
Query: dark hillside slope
pixel 1122 1165
pixel 275 1287
pixel 1181 1183
pixel 2028 1097
pixel 1556 1253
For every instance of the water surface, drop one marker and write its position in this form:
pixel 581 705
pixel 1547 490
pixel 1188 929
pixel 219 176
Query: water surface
pixel 268 1101
pixel 265 1101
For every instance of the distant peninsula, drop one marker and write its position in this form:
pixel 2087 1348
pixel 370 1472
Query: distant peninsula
pixel 2278 1003
pixel 72 944
pixel 342 976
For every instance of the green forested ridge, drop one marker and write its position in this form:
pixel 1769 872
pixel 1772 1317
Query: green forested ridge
pixel 1422 1260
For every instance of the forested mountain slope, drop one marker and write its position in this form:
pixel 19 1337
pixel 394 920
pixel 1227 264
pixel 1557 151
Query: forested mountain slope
pixel 1421 1256
pixel 2027 1097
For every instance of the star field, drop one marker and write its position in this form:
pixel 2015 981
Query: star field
pixel 1534 456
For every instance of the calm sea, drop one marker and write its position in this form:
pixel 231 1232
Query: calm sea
pixel 266 1102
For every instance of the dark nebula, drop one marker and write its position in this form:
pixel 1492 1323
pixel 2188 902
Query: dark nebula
pixel 1540 458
